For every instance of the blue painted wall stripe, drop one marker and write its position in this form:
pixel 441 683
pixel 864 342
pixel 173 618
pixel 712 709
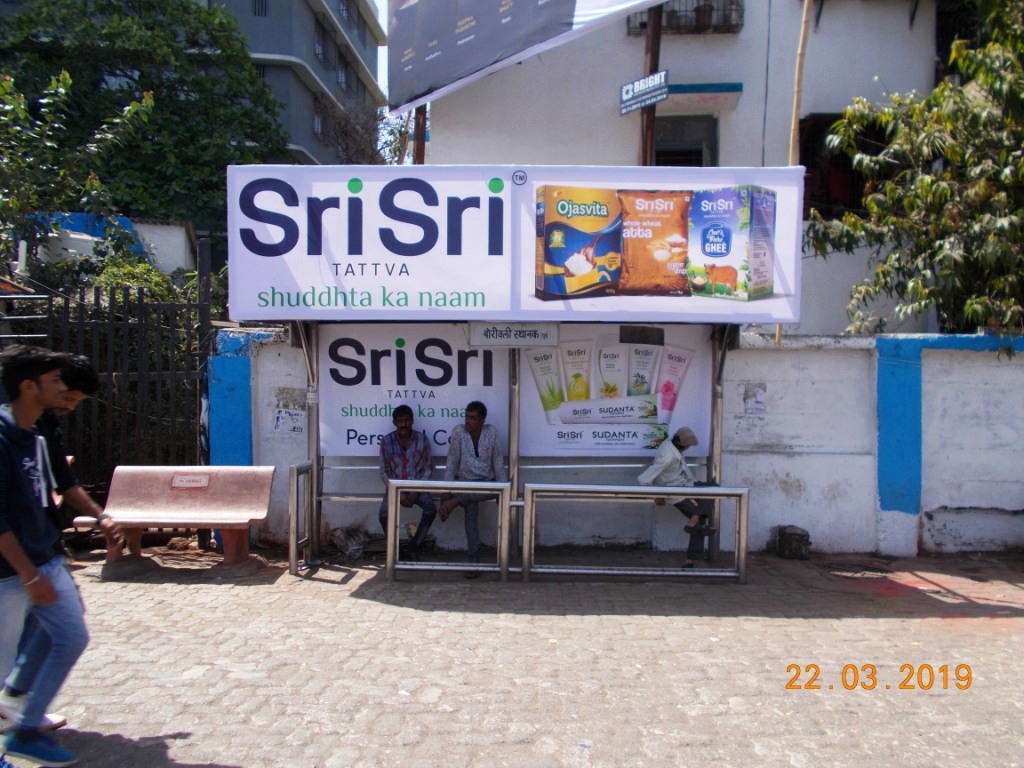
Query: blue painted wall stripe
pixel 898 390
pixel 900 411
pixel 230 388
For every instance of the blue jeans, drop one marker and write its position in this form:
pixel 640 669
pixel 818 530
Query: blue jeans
pixel 425 502
pixel 55 640
pixel 471 504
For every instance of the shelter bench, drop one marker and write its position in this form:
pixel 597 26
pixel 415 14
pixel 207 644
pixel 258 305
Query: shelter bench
pixel 227 498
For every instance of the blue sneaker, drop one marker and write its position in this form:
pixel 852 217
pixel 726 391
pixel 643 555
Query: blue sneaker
pixel 42 750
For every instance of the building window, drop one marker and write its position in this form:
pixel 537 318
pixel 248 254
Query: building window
pixel 318 122
pixel 259 7
pixel 320 42
pixel 830 184
pixel 692 17
pixel 342 74
pixel 261 71
pixel 343 10
pixel 686 140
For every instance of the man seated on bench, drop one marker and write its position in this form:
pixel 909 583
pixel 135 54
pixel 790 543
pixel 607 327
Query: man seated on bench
pixel 405 455
pixel 669 468
pixel 474 453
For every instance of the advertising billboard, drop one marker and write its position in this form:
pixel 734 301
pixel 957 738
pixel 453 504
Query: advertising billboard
pixel 603 390
pixel 368 370
pixel 514 243
pixel 437 47
pixel 609 390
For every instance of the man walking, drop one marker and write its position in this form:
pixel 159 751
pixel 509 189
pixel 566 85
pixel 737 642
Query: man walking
pixel 33 576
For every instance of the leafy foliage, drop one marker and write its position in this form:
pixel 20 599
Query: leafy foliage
pixel 41 170
pixel 210 107
pixel 126 271
pixel 945 195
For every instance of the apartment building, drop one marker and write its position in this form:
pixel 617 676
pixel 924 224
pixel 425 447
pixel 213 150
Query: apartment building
pixel 320 58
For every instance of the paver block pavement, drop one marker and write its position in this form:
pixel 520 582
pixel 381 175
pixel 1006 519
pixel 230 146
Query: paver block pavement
pixel 341 668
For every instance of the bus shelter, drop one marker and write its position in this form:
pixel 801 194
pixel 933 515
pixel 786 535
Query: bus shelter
pixel 590 308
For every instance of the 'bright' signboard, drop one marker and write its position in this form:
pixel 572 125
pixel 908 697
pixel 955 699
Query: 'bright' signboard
pixel 514 243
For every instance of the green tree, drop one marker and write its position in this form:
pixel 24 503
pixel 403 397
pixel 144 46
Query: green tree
pixel 210 107
pixel 40 170
pixel 944 199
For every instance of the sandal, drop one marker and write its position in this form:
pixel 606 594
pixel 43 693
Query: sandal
pixel 699 530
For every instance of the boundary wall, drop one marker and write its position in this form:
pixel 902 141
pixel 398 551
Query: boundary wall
pixel 894 444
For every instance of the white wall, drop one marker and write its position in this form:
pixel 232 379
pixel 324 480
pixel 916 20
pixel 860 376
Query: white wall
pixel 800 430
pixel 825 286
pixel 279 429
pixel 972 495
pixel 170 245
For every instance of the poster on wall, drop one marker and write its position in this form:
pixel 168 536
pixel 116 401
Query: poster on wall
pixel 366 371
pixel 603 390
pixel 515 243
pixel 609 390
pixel 435 48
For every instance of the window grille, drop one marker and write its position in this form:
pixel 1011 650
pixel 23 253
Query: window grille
pixel 259 7
pixel 692 17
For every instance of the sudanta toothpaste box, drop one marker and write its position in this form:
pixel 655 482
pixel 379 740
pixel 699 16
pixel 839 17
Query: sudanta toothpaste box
pixel 732 243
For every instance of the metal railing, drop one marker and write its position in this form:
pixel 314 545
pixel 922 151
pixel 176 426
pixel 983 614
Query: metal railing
pixel 303 522
pixel 395 488
pixel 536 491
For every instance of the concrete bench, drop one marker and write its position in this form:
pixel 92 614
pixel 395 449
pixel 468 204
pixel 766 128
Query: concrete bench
pixel 226 498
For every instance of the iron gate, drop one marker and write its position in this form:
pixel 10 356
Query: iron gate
pixel 151 358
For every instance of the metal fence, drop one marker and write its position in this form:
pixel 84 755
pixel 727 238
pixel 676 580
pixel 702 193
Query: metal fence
pixel 151 358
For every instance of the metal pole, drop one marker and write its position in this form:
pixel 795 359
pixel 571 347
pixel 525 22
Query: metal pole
pixel 419 147
pixel 391 533
pixel 794 124
pixel 743 514
pixel 205 341
pixel 652 55
pixel 296 508
pixel 308 336
pixel 514 411
pixel 528 514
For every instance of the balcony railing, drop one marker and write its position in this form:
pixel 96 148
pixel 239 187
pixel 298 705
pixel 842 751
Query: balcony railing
pixel 692 17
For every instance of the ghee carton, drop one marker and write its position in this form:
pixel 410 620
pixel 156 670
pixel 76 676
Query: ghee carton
pixel 732 243
pixel 579 242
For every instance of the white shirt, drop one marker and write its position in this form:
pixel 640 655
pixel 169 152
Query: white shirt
pixel 668 468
